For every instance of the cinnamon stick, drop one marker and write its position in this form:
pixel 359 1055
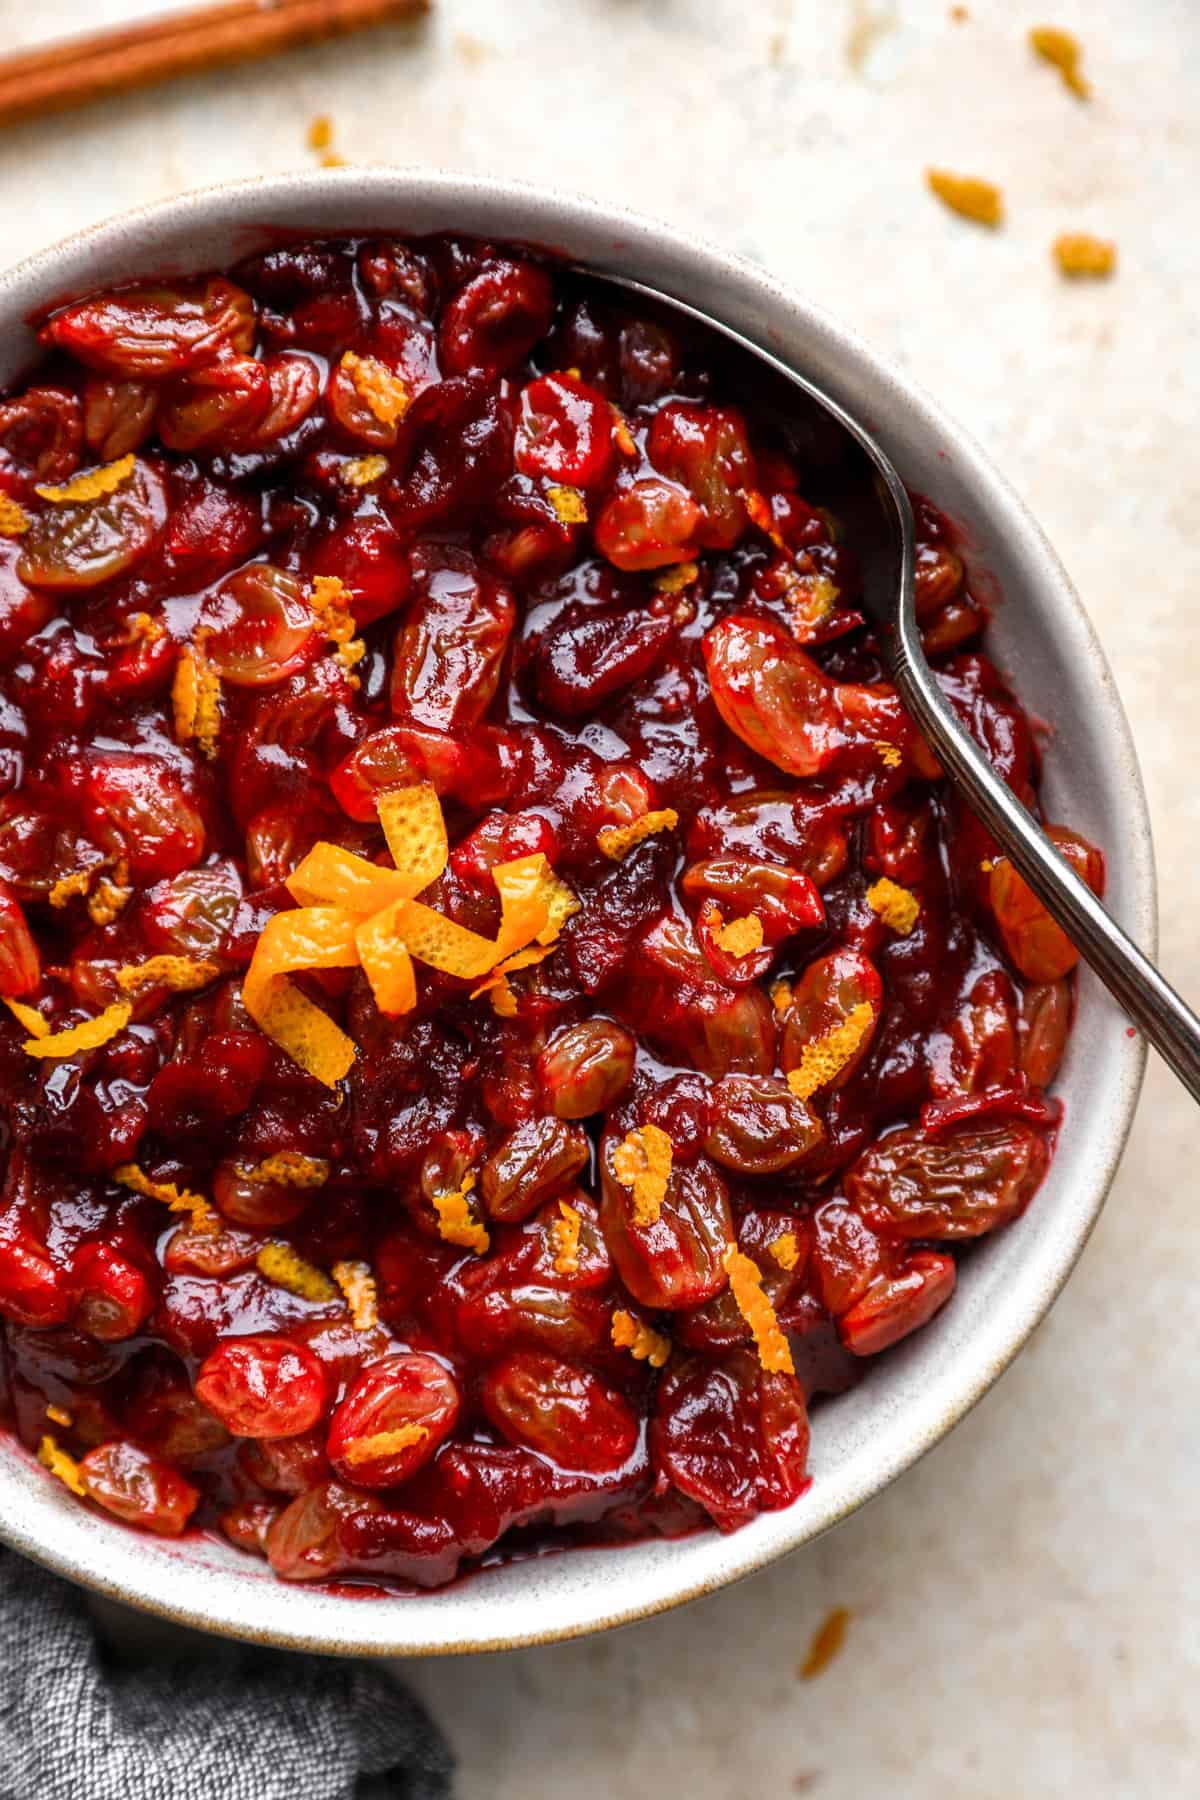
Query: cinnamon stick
pixel 56 77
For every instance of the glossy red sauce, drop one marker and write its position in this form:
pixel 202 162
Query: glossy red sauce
pixel 591 582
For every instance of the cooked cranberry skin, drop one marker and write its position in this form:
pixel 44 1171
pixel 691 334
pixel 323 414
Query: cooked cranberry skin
pixel 495 319
pixel 957 1186
pixel 402 1392
pixel 1038 946
pixel 586 1069
pixel 138 1489
pixel 648 526
pixel 563 1412
pixel 565 432
pixel 731 1436
pixel 895 1305
pixel 263 1387
pixel 113 1298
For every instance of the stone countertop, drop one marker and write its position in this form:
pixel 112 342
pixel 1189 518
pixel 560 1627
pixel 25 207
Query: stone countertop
pixel 1024 1603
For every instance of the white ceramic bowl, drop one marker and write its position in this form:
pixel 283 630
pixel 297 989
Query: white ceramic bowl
pixel 1041 637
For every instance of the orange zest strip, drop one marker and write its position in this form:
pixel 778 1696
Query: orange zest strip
pixel 289 1168
pixel 504 1002
pixel 673 581
pixel 386 394
pixel 29 1017
pixel 745 1283
pixel 288 1269
pixel 456 1222
pixel 520 959
pixel 91 484
pixel 570 507
pixel 386 961
pixel 181 974
pixel 642 1163
pixel 331 876
pixel 361 471
pixel 58 1416
pixel 330 599
pixel 529 888
pixel 741 936
pixel 360 1293
pixel 14 520
pixel 434 939
pixel 67 886
pixel 785 1249
pixel 385 1443
pixel 313 937
pixel 898 909
pixel 180 1200
pixel 416 835
pixel 88 1036
pixel 108 900
pixel 353 913
pixel 196 699
pixel 643 1343
pixel 564 1235
pixel 617 841
pixel 826 1057
pixel 61 1465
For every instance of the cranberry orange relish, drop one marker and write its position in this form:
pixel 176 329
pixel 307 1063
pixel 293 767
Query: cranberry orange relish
pixel 501 1007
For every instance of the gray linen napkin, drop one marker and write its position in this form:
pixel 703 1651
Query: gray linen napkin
pixel 227 1723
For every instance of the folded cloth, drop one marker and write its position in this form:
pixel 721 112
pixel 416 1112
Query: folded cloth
pixel 214 1721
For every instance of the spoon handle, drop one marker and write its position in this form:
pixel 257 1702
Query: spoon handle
pixel 1150 1001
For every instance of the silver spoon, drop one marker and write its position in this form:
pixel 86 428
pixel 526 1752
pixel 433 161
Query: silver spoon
pixel 872 503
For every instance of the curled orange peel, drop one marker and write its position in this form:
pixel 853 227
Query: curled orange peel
pixel 353 913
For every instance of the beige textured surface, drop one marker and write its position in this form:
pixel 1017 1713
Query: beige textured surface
pixel 1025 1603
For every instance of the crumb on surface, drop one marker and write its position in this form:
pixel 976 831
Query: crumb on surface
pixel 1065 53
pixel 1079 255
pixel 867 27
pixel 968 196
pixel 473 50
pixel 827 1642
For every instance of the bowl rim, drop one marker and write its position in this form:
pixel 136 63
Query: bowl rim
pixel 162 1577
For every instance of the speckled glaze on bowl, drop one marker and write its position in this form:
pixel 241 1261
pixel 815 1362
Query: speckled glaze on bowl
pixel 1040 636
